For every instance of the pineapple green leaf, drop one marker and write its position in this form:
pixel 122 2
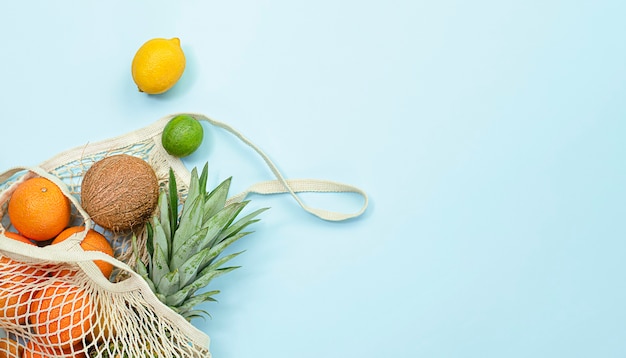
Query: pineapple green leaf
pixel 149 239
pixel 185 249
pixel 216 265
pixel 160 239
pixel 163 219
pixel 193 191
pixel 240 224
pixel 193 244
pixel 198 299
pixel 160 268
pixel 190 222
pixel 219 248
pixel 196 314
pixel 173 202
pixel 207 274
pixel 141 268
pixel 169 283
pixel 161 297
pixel 204 176
pixel 202 281
pixel 216 199
pixel 222 220
pixel 190 269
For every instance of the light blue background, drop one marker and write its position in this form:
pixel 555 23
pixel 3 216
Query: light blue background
pixel 488 134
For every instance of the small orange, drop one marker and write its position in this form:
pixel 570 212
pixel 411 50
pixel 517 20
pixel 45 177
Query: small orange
pixel 18 237
pixel 16 280
pixel 93 241
pixel 38 209
pixel 10 348
pixel 61 314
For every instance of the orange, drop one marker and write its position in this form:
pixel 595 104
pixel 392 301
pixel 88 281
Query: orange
pixel 61 314
pixel 18 237
pixel 36 349
pixel 16 280
pixel 38 209
pixel 93 241
pixel 9 348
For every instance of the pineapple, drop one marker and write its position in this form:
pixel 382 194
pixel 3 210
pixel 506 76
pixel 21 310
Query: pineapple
pixel 185 250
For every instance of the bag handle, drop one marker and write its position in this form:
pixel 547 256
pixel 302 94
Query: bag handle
pixel 280 185
pixel 292 186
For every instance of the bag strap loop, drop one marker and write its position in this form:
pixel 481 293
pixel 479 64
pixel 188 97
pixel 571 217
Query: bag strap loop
pixel 292 186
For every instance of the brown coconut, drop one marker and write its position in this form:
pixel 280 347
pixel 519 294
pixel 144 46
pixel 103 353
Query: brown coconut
pixel 120 192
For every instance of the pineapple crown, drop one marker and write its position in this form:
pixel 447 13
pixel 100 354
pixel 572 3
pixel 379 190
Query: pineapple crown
pixel 185 248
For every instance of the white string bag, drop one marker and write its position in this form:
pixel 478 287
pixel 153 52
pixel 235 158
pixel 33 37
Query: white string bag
pixel 86 314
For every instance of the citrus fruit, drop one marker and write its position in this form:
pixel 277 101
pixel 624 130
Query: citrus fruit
pixel 158 65
pixel 36 349
pixel 182 135
pixel 18 237
pixel 93 241
pixel 38 209
pixel 61 314
pixel 103 328
pixel 10 348
pixel 16 288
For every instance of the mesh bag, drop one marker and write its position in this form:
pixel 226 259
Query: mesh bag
pixel 54 300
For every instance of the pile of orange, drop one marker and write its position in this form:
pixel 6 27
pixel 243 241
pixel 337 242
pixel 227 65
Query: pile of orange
pixel 16 279
pixel 59 313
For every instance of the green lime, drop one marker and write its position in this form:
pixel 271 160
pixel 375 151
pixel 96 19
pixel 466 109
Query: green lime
pixel 182 135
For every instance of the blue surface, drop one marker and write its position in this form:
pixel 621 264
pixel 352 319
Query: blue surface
pixel 488 134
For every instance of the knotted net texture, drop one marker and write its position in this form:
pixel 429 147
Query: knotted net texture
pixel 54 300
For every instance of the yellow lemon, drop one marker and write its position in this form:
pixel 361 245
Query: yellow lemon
pixel 158 65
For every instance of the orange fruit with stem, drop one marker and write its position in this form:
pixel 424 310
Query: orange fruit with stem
pixel 16 284
pixel 38 209
pixel 61 314
pixel 93 241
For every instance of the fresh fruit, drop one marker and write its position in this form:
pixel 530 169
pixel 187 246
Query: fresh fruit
pixel 10 348
pixel 120 192
pixel 18 237
pixel 93 241
pixel 184 252
pixel 103 328
pixel 182 135
pixel 38 209
pixel 61 314
pixel 158 65
pixel 17 281
pixel 35 349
